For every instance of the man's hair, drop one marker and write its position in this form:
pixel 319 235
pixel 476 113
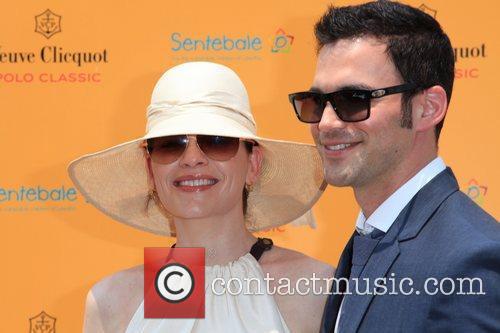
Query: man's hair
pixel 416 44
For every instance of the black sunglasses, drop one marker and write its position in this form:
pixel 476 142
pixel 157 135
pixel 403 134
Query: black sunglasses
pixel 350 105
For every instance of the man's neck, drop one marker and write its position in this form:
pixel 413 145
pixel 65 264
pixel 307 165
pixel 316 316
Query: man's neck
pixel 371 195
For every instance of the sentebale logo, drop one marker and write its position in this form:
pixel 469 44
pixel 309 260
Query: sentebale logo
pixel 215 43
pixel 476 192
pixel 282 42
pixel 37 193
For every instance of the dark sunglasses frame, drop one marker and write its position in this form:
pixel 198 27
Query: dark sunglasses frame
pixel 362 94
pixel 147 144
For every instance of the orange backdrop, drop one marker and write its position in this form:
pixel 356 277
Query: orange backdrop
pixel 90 89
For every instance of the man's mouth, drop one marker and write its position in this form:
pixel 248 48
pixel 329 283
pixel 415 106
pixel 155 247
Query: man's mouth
pixel 338 147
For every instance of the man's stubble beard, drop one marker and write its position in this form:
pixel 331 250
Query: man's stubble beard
pixel 351 173
pixel 365 165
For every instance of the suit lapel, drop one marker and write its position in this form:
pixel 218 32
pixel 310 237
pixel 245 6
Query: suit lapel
pixel 427 201
pixel 382 258
pixel 333 301
pixel 407 226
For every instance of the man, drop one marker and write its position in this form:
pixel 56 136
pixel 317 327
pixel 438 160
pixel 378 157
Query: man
pixel 424 257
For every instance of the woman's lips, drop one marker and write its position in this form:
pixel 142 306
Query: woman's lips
pixel 195 183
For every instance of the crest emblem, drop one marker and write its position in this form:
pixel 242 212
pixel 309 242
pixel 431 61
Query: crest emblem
pixel 281 42
pixel 476 192
pixel 48 23
pixel 428 10
pixel 42 323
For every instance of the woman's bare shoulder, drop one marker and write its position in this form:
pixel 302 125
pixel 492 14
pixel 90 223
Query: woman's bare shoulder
pixel 114 284
pixel 112 301
pixel 280 259
pixel 302 309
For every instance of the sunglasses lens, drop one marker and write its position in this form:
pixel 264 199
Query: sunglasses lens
pixel 308 107
pixel 351 105
pixel 219 148
pixel 167 149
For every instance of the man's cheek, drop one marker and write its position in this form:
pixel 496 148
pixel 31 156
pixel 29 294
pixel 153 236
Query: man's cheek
pixel 314 132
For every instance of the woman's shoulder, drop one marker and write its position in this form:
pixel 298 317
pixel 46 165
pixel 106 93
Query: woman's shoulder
pixel 280 259
pixel 113 300
pixel 119 281
pixel 301 284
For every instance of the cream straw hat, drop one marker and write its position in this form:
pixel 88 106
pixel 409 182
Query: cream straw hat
pixel 201 98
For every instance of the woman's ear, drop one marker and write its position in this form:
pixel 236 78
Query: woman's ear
pixel 149 171
pixel 255 159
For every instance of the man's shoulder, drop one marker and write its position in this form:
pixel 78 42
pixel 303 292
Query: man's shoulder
pixel 460 216
pixel 458 232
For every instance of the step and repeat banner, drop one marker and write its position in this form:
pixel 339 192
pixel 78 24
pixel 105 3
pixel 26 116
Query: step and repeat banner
pixel 76 77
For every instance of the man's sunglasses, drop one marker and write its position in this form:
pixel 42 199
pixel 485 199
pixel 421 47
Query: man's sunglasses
pixel 168 149
pixel 350 105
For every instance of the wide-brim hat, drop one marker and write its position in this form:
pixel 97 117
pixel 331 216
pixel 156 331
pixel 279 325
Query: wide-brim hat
pixel 210 99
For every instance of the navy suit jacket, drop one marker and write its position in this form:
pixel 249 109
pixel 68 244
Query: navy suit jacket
pixel 440 234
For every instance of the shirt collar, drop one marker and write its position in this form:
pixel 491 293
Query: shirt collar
pixel 385 215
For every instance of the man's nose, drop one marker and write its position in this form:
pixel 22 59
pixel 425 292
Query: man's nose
pixel 330 119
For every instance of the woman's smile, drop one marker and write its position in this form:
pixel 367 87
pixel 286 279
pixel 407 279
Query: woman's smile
pixel 195 183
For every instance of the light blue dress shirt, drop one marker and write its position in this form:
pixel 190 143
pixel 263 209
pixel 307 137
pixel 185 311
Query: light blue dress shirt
pixel 385 215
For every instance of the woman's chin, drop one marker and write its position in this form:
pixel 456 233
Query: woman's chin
pixel 193 214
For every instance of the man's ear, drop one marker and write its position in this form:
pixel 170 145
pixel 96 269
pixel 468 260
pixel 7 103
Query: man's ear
pixel 255 160
pixel 431 108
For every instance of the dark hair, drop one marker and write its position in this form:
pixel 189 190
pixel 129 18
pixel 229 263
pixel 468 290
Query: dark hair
pixel 249 148
pixel 418 47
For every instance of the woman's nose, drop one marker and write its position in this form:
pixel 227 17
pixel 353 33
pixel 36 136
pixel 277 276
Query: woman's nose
pixel 193 156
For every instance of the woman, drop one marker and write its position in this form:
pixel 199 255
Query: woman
pixel 202 174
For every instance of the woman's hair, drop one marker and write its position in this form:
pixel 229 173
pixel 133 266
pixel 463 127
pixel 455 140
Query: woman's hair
pixel 249 148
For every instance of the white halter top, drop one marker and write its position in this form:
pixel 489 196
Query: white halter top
pixel 256 313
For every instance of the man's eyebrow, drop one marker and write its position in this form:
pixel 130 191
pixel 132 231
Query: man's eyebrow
pixel 357 86
pixel 317 90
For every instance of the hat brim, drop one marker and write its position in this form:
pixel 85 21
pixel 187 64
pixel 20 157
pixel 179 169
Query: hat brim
pixel 115 181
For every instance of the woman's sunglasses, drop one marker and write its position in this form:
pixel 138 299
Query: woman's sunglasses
pixel 350 105
pixel 168 149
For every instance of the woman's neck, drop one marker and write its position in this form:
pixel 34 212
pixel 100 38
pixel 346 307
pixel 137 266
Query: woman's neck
pixel 224 237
